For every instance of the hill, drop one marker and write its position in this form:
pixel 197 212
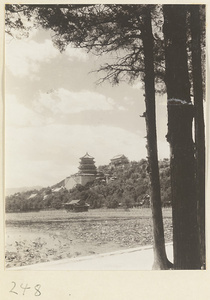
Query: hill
pixel 123 185
pixel 11 191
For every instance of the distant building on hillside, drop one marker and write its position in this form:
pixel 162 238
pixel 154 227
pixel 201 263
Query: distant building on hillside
pixel 58 189
pixel 87 173
pixel 32 196
pixel 119 160
pixel 76 205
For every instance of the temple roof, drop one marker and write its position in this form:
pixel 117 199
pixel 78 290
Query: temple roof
pixel 87 156
pixel 74 201
pixel 119 156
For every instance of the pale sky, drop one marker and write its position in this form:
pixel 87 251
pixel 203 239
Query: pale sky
pixel 55 113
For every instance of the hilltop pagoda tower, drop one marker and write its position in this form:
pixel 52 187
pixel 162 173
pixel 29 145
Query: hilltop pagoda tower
pixel 87 173
pixel 87 165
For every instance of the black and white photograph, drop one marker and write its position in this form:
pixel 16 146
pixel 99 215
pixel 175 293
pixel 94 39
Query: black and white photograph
pixel 105 137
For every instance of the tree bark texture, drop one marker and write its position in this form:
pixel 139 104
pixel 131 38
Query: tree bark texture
pixel 182 160
pixel 160 258
pixel 176 78
pixel 199 124
pixel 184 205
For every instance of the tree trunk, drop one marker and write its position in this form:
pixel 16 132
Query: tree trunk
pixel 160 258
pixel 182 160
pixel 199 125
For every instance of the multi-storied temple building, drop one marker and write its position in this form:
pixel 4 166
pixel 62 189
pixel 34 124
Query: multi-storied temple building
pixel 87 165
pixel 120 159
pixel 87 173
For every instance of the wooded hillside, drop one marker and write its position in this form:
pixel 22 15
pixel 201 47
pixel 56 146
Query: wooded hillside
pixel 122 186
